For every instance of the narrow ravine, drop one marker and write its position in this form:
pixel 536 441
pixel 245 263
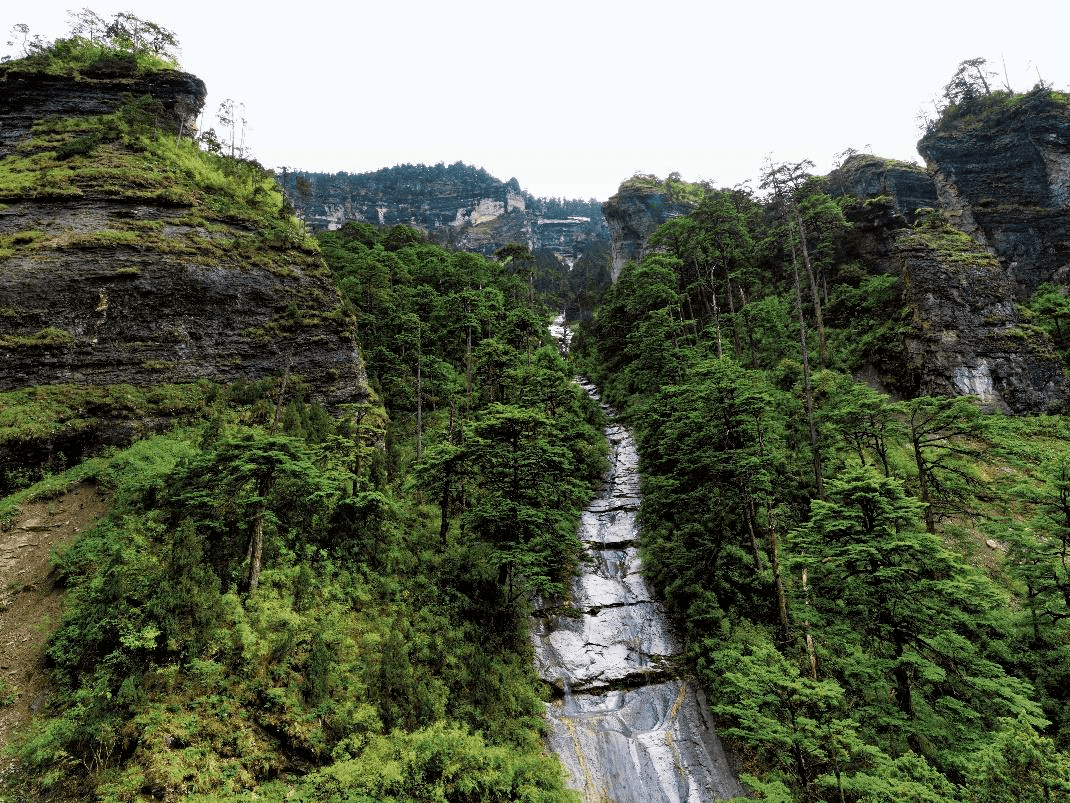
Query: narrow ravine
pixel 624 724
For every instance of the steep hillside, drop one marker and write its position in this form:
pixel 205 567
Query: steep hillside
pixel 872 588
pixel 960 328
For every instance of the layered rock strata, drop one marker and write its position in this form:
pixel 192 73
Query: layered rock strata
pixel 632 216
pixel 1003 174
pixel 967 338
pixel 30 97
pixel 126 271
pixel 961 333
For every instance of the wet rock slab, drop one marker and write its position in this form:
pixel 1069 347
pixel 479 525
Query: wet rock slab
pixel 618 645
pixel 651 743
pixel 624 726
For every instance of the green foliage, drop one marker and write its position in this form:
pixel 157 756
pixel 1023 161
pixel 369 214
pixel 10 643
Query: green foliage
pixel 45 428
pixel 123 46
pixel 438 763
pixel 1017 764
pixel 954 246
pixel 673 187
pixel 272 595
pixel 124 155
pixel 849 649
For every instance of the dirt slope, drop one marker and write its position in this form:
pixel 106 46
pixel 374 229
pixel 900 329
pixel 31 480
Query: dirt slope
pixel 29 599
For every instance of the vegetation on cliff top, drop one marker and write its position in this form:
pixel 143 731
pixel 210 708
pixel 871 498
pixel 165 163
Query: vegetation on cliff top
pixel 121 47
pixel 971 96
pixel 673 187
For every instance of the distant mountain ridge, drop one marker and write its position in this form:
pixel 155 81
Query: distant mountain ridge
pixel 457 205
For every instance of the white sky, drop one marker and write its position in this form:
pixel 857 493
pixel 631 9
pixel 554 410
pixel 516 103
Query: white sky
pixel 573 97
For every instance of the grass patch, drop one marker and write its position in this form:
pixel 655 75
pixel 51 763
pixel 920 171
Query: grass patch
pixel 78 56
pixel 47 337
pixel 954 246
pixel 674 187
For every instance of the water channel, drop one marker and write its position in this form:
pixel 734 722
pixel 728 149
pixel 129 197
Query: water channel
pixel 626 725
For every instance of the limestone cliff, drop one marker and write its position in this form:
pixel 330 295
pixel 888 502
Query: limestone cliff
pixel 1002 169
pixel 961 333
pixel 459 206
pixel 634 212
pixel 128 256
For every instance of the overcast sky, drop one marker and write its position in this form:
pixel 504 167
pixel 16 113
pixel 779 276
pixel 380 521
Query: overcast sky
pixel 572 98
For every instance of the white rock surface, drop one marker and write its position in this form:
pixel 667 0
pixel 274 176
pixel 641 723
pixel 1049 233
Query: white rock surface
pixel 626 730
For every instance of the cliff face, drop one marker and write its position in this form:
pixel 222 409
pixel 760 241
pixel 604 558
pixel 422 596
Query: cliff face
pixel 967 338
pixel 27 98
pixel 459 206
pixel 961 334
pixel 903 187
pixel 632 215
pixel 118 266
pixel 1003 172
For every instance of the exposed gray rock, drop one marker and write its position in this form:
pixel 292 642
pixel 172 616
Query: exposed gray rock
pixel 625 726
pixel 108 289
pixel 904 187
pixel 1003 172
pixel 967 338
pixel 27 97
pixel 632 216
pixel 963 334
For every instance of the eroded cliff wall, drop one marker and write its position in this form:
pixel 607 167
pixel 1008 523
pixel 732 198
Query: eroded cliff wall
pixel 1002 170
pixel 126 258
pixel 632 216
pixel 961 332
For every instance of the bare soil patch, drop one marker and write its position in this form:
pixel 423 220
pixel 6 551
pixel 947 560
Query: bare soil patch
pixel 30 599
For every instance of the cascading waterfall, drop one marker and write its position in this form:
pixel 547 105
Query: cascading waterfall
pixel 625 726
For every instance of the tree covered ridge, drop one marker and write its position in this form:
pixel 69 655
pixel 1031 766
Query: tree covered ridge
pixel 306 185
pixel 814 539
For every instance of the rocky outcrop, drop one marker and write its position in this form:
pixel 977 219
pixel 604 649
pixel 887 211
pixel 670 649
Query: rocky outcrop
pixel 966 337
pixel 149 277
pixel 961 333
pixel 1002 170
pixel 632 215
pixel 903 187
pixel 28 97
pixel 458 206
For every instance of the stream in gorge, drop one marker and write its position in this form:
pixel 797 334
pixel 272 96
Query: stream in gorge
pixel 626 726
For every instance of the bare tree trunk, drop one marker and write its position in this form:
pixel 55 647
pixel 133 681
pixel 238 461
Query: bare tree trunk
pixel 778 580
pixel 468 366
pixel 717 323
pixel 256 544
pixel 816 453
pixel 810 652
pixel 822 353
pixel 736 348
pixel 256 551
pixel 419 397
